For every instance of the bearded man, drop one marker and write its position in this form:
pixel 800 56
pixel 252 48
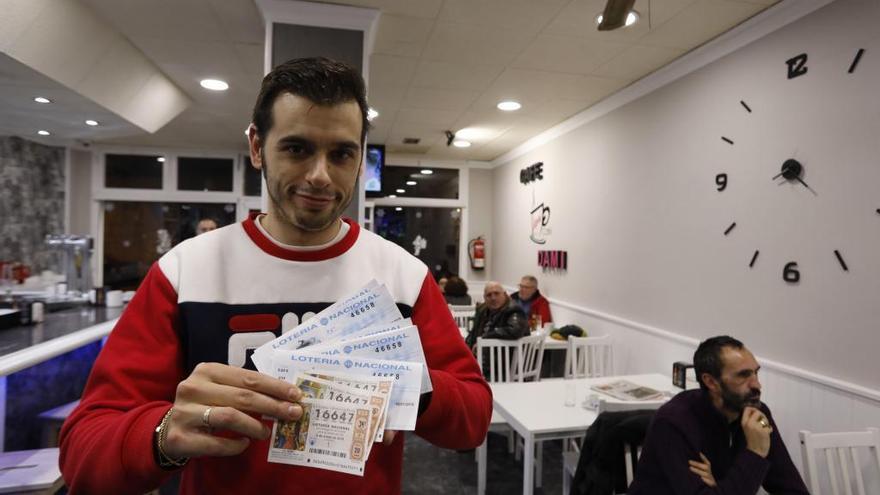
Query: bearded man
pixel 720 438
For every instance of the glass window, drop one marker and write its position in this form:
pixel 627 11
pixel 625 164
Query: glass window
pixel 253 183
pixel 133 171
pixel 137 233
pixel 431 234
pixel 204 174
pixel 441 183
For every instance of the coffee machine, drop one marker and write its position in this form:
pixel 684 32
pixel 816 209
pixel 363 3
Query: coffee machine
pixel 76 261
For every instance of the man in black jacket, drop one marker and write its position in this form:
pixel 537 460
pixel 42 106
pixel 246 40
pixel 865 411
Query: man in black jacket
pixel 498 317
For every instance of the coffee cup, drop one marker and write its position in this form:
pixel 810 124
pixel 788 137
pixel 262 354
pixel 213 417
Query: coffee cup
pixel 114 298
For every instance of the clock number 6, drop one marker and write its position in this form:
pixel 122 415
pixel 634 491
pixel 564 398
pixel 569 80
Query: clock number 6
pixel 790 273
pixel 721 181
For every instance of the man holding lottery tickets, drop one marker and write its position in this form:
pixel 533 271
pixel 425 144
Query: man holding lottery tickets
pixel 176 387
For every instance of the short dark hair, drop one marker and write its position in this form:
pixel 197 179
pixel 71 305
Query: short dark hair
pixel 455 286
pixel 707 359
pixel 321 80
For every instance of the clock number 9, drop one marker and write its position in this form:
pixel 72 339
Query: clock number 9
pixel 790 273
pixel 721 181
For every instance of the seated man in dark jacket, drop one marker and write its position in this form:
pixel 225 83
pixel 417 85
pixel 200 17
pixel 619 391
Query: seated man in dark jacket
pixel 498 317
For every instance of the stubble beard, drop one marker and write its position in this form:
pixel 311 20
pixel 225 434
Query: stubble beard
pixel 282 203
pixel 737 403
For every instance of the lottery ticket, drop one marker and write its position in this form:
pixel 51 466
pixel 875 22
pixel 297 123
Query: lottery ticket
pixel 329 435
pixel 365 384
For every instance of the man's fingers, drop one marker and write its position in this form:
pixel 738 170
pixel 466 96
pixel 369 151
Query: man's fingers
pixel 248 379
pixel 218 395
pixel 222 418
pixel 388 437
pixel 705 459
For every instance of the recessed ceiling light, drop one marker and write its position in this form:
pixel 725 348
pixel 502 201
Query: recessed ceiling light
pixel 398 208
pixel 411 182
pixel 509 105
pixel 92 123
pixel 631 18
pixel 426 171
pixel 43 133
pixel 392 195
pixel 400 191
pixel 42 99
pixel 461 143
pixel 161 159
pixel 214 84
pixel 372 114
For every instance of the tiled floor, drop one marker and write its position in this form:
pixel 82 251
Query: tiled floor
pixel 431 470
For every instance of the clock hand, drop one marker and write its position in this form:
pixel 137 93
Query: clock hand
pixel 805 185
pixel 777 176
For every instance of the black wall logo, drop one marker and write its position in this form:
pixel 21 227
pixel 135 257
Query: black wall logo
pixel 539 217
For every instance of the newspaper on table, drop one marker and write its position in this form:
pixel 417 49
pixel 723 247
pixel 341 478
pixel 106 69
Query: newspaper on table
pixel 406 375
pixel 628 391
pixel 401 344
pixel 370 305
pixel 329 435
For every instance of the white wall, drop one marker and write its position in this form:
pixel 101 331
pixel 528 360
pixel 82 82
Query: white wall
pixel 634 203
pixel 479 224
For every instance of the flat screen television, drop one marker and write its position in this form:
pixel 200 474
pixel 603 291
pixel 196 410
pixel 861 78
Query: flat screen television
pixel 375 162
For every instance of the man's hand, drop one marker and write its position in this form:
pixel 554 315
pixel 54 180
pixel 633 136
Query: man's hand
pixel 703 470
pixel 388 437
pixel 231 393
pixel 757 429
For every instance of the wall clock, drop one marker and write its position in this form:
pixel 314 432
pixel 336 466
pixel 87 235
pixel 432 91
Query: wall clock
pixel 789 171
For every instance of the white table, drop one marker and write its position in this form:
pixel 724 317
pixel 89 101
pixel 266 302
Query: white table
pixel 27 471
pixel 537 412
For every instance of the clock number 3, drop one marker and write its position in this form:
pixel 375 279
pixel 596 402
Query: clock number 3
pixel 790 273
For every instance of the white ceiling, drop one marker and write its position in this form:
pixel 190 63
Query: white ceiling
pixel 436 65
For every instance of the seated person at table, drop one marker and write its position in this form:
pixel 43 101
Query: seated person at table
pixel 533 304
pixel 456 292
pixel 720 438
pixel 498 317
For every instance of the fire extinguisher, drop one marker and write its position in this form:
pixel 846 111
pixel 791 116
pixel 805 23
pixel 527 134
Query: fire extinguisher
pixel 477 253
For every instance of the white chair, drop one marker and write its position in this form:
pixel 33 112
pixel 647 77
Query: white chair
pixel 529 358
pixel 589 357
pixel 837 446
pixel 570 458
pixel 463 316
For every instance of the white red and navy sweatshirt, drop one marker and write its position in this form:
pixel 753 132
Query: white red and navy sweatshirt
pixel 216 297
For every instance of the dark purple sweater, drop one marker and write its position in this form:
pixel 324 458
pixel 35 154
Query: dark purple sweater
pixel 689 424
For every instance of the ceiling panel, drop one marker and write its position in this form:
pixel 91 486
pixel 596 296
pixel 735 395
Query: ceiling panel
pixel 567 54
pixel 474 44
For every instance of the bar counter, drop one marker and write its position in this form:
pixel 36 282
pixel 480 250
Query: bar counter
pixel 26 345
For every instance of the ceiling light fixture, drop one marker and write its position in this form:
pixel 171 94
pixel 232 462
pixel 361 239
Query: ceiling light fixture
pixel 509 106
pixel 411 182
pixel 398 209
pixel 161 159
pixel 426 171
pixel 400 191
pixel 372 114
pixel 42 99
pixel 92 123
pixel 450 137
pixel 461 143
pixel 392 195
pixel 44 133
pixel 214 84
pixel 631 18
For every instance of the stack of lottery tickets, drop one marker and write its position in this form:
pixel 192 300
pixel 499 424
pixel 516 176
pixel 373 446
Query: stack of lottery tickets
pixel 361 369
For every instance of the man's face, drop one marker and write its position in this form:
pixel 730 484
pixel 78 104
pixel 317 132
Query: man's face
pixel 739 385
pixel 311 159
pixel 205 225
pixel 494 296
pixel 527 289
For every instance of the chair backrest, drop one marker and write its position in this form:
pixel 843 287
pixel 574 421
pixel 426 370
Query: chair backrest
pixel 631 453
pixel 836 446
pixel 589 357
pixel 529 358
pixel 463 316
pixel 497 359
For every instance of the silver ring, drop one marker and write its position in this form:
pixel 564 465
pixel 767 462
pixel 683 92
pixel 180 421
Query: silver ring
pixel 206 417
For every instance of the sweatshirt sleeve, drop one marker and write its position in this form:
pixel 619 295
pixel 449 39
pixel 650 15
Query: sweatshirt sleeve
pixel 461 404
pixel 743 478
pixel 107 443
pixel 783 477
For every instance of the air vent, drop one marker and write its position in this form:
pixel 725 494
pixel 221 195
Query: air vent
pixel 411 140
